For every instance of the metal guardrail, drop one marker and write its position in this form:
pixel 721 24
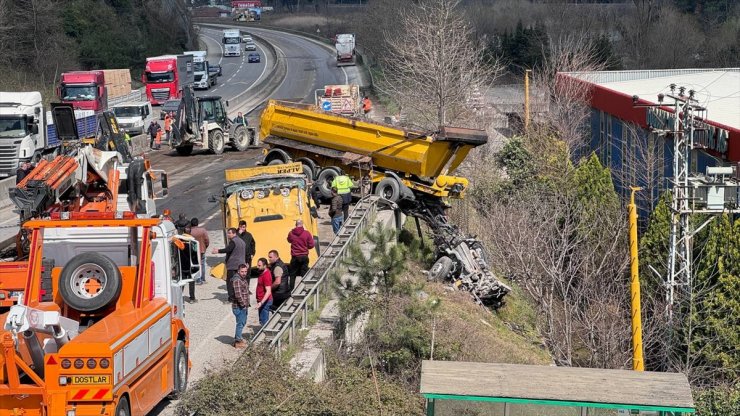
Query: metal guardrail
pixel 306 296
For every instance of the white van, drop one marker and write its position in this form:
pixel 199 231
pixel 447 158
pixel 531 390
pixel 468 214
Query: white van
pixel 133 117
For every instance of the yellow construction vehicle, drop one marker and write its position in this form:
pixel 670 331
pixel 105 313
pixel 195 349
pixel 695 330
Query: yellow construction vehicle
pixel 391 162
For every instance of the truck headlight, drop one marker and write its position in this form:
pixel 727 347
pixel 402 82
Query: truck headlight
pixel 246 194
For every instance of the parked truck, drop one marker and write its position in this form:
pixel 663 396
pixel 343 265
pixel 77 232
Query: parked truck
pixel 410 168
pixel 203 122
pixel 201 72
pixel 134 117
pixel 96 90
pixel 232 42
pixel 166 76
pixel 109 338
pixel 27 132
pixel 345 48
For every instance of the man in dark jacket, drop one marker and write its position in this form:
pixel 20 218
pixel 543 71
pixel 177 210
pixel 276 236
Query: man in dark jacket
pixel 152 131
pixel 335 211
pixel 23 171
pixel 280 281
pixel 234 257
pixel 301 241
pixel 181 223
pixel 249 245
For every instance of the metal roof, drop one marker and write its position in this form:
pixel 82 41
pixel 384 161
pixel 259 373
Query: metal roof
pixel 716 89
pixel 557 384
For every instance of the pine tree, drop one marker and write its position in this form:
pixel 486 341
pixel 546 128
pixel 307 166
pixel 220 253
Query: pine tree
pixel 654 248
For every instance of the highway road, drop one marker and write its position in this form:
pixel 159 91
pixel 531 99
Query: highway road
pixel 194 178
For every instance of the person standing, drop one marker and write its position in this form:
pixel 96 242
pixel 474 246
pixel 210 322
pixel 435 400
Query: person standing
pixel 264 291
pixel 23 171
pixel 168 127
pixel 181 223
pixel 234 257
pixel 200 234
pixel 240 119
pixel 344 186
pixel 186 264
pixel 152 130
pixel 301 241
pixel 240 304
pixel 249 245
pixel 280 279
pixel 367 106
pixel 335 211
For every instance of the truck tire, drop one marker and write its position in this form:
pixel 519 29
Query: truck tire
pixel 275 162
pixel 309 168
pixel 47 284
pixel 389 189
pixel 252 133
pixel 90 282
pixel 184 150
pixel 216 141
pixel 327 175
pixel 181 370
pixel 441 269
pixel 123 408
pixel 240 139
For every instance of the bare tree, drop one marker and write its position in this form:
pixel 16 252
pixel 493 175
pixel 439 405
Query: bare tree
pixel 643 165
pixel 435 65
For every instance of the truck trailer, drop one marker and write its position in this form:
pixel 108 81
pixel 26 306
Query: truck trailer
pixel 165 77
pixel 345 48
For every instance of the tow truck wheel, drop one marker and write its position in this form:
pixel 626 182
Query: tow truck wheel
pixel 181 369
pixel 389 189
pixel 441 269
pixel 184 150
pixel 241 139
pixel 216 141
pixel 327 175
pixel 89 282
pixel 122 409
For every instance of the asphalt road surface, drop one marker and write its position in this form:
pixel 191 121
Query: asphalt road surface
pixel 193 179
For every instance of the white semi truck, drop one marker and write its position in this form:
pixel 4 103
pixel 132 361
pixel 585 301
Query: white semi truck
pixel 27 131
pixel 203 80
pixel 232 42
pixel 345 48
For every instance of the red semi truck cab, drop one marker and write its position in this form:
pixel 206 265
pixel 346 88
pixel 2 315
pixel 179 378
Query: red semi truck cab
pixel 166 76
pixel 84 90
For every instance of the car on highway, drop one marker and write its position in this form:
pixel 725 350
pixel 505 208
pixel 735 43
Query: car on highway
pixel 250 47
pixel 246 39
pixel 214 69
pixel 253 57
pixel 169 106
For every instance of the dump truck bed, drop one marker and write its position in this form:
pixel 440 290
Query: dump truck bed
pixel 387 147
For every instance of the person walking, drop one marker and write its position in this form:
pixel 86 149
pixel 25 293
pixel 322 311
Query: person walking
pixel 344 186
pixel 246 236
pixel 240 304
pixel 234 257
pixel 280 279
pixel 152 131
pixel 367 106
pixel 200 234
pixel 264 291
pixel 335 211
pixel 301 241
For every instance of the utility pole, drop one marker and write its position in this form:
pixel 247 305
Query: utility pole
pixel 526 99
pixel 638 363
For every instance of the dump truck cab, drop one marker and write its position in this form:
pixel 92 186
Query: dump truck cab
pixel 110 339
pixel 270 199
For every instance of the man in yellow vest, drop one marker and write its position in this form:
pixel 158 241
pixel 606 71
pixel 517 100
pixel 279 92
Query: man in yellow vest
pixel 344 186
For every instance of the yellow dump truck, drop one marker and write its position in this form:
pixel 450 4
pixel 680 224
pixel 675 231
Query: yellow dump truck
pixel 270 199
pixel 390 161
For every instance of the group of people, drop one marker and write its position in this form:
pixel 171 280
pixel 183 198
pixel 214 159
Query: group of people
pixel 275 280
pixel 155 131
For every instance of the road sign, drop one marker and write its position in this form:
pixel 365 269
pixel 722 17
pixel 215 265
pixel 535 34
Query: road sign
pixel 326 105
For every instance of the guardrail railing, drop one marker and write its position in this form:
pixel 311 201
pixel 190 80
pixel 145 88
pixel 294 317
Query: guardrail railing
pixel 306 297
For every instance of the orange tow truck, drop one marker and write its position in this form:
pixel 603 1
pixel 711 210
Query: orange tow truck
pixel 111 340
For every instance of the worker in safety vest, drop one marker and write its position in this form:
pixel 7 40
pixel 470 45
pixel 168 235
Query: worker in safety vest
pixel 344 186
pixel 367 106
pixel 168 127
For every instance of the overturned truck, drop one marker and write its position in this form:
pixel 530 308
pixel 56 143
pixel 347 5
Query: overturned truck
pixel 407 167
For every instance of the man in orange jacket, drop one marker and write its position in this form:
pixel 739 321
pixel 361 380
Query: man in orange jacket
pixel 367 106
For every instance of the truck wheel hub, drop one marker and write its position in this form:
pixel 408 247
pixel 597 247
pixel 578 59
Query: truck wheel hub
pixel 88 281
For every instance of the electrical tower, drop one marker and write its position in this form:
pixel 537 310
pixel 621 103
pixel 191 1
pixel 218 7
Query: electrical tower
pixel 715 193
